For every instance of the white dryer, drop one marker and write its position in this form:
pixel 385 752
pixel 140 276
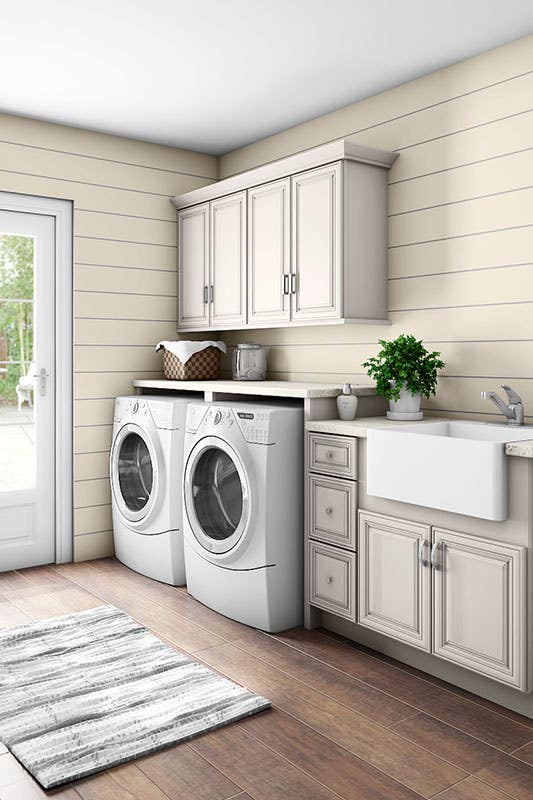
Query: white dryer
pixel 146 465
pixel 243 521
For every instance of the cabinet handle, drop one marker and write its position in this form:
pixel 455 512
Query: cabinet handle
pixel 434 556
pixel 293 283
pixel 285 283
pixel 329 579
pixel 421 548
pixel 328 510
pixel 206 298
pixel 211 293
pixel 329 454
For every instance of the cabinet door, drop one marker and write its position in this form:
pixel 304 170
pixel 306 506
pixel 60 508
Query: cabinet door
pixel 479 605
pixel 228 261
pixel 317 244
pixel 395 578
pixel 193 267
pixel 269 253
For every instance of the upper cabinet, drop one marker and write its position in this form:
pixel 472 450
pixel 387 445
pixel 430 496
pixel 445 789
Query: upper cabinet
pixel 300 241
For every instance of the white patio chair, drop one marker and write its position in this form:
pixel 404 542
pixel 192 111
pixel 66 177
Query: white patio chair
pixel 24 387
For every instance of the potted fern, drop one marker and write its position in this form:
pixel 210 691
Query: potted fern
pixel 404 372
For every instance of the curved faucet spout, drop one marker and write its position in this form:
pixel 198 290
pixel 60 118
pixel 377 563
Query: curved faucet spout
pixel 513 411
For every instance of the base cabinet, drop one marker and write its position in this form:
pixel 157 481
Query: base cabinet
pixel 394 582
pixel 457 596
pixel 479 605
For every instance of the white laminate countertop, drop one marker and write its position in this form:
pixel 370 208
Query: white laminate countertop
pixel 359 426
pixel 265 388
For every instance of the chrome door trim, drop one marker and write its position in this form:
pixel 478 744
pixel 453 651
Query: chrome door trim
pixel 155 456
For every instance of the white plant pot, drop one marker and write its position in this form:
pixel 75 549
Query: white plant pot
pixel 406 408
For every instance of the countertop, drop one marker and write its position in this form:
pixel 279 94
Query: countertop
pixel 293 389
pixel 359 426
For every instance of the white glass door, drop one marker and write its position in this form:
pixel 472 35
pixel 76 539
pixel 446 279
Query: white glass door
pixel 27 369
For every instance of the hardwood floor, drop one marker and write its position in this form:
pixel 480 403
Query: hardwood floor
pixel 346 722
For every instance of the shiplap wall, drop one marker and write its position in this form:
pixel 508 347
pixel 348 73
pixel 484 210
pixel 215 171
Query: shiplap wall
pixel 460 228
pixel 124 276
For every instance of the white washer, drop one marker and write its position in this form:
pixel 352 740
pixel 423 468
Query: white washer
pixel 146 465
pixel 243 520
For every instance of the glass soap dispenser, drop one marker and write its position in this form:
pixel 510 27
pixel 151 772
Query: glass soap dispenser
pixel 347 403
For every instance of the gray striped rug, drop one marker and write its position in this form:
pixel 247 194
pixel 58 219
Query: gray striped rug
pixel 87 691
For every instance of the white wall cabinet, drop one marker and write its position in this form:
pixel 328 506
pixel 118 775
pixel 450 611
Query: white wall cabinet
pixel 479 605
pixel 269 256
pixel 394 582
pixel 193 267
pixel 227 288
pixel 317 244
pixel 311 249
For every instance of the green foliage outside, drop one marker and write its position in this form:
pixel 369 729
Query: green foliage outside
pixel 16 319
pixel 405 360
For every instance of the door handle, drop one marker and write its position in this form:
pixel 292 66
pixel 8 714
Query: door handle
pixel 285 283
pixel 421 548
pixel 42 376
pixel 211 293
pixel 434 556
pixel 293 283
pixel 206 295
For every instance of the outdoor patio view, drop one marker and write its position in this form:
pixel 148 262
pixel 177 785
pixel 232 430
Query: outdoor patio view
pixel 17 463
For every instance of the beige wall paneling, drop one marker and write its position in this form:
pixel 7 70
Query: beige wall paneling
pixel 460 229
pixel 125 236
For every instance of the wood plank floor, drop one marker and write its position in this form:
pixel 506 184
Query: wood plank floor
pixel 346 722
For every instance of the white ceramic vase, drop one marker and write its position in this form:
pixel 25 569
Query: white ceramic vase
pixel 406 408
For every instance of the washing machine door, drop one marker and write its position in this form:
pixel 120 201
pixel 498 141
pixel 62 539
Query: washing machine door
pixel 135 475
pixel 217 495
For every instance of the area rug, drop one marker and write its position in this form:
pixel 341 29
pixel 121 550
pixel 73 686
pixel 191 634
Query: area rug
pixel 90 690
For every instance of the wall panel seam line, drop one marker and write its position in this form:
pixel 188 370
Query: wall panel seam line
pixel 462 200
pixel 86 183
pixel 461 236
pixel 124 241
pixel 91 453
pixel 125 319
pixel 93 505
pixel 466 411
pixel 465 305
pixel 113 372
pixel 279 345
pixel 122 266
pixel 127 216
pixel 89 533
pixel 465 165
pixel 127 294
pixel 100 345
pixel 461 271
pixel 86 480
pixel 447 377
pixel 103 158
pixel 392 119
pixel 458 131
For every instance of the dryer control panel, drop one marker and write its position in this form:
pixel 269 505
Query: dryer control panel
pixel 254 425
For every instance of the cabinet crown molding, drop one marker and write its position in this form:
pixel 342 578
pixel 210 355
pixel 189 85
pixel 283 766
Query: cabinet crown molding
pixel 339 150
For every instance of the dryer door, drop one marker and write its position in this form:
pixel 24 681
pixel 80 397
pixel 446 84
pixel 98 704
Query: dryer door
pixel 217 495
pixel 134 473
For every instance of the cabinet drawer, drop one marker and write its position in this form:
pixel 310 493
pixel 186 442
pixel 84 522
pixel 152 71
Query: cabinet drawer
pixel 332 579
pixel 332 510
pixel 333 455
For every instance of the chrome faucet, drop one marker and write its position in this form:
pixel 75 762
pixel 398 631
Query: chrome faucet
pixel 514 410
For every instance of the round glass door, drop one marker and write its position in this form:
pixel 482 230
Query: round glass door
pixel 217 498
pixel 135 472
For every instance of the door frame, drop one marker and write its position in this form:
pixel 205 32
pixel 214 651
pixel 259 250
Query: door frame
pixel 62 211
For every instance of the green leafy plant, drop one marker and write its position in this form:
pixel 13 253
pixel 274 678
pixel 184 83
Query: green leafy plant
pixel 404 361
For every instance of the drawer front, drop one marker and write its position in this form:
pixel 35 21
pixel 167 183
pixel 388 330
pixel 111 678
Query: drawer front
pixel 333 455
pixel 332 580
pixel 332 510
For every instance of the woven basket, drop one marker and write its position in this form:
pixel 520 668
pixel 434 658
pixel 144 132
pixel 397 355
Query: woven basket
pixel 202 366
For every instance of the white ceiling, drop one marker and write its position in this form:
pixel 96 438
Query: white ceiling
pixel 213 75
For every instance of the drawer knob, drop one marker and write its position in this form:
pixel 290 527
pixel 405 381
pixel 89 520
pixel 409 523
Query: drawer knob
pixel 329 454
pixel 329 579
pixel 328 510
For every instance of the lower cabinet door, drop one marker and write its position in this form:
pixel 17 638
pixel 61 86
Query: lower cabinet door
pixel 332 579
pixel 479 605
pixel 394 578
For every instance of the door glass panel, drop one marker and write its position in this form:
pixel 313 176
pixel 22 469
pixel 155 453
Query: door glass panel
pixel 217 494
pixel 17 425
pixel 135 472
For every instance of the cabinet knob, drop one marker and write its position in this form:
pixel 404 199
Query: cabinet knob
pixel 328 510
pixel 329 579
pixel 329 454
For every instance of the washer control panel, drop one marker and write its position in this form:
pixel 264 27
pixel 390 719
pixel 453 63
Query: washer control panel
pixel 254 425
